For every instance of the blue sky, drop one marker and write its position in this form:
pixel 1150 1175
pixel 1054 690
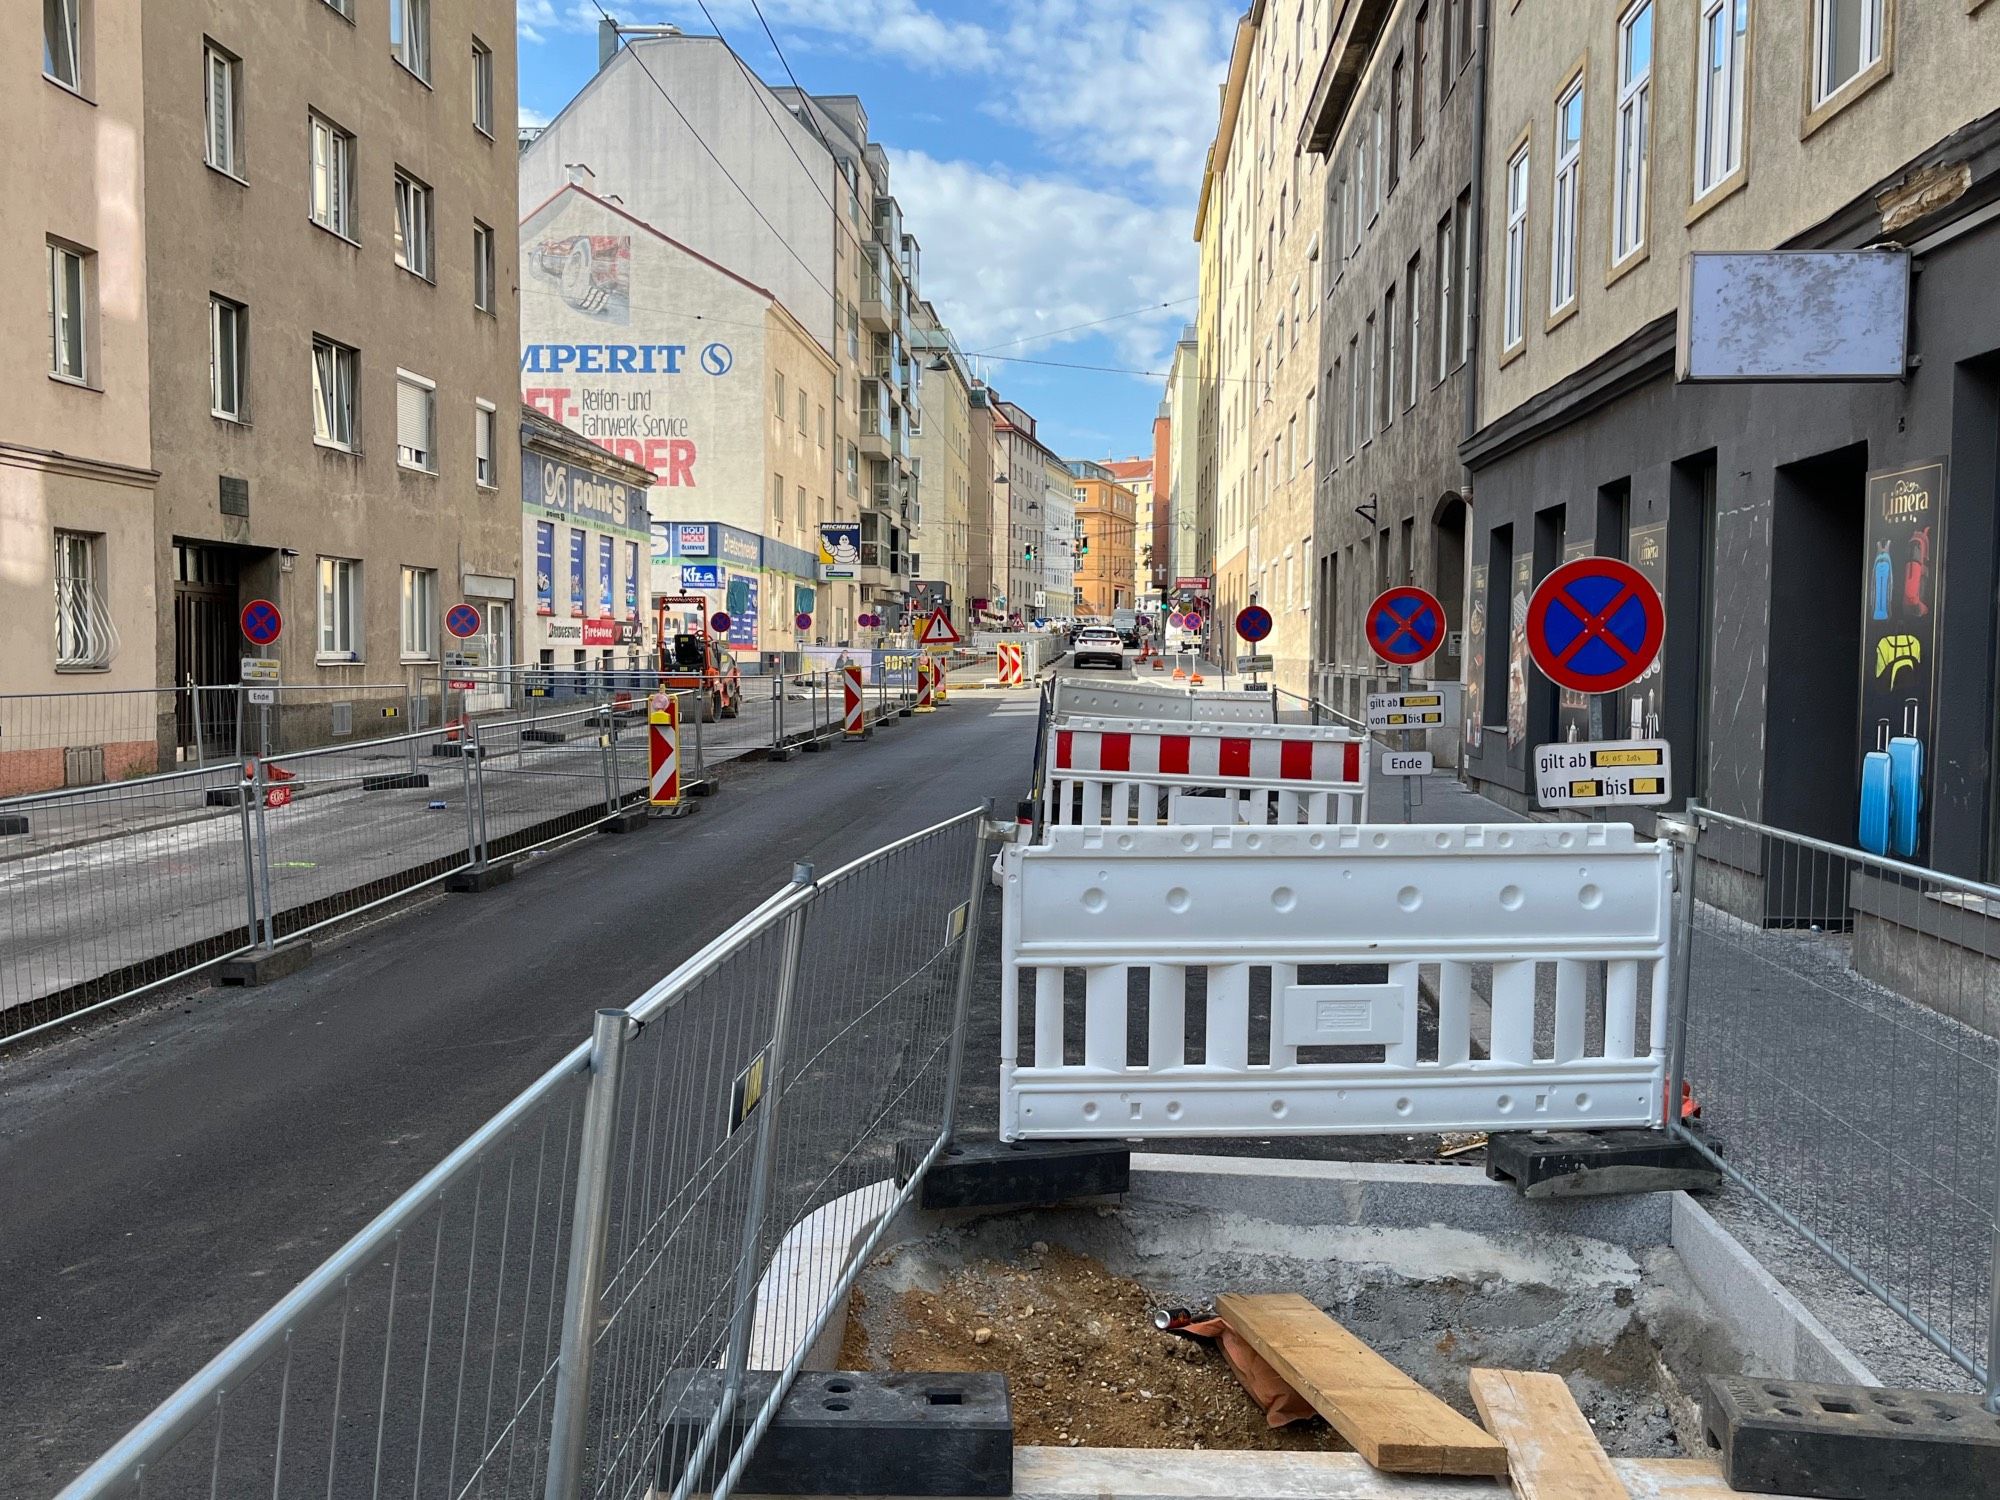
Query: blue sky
pixel 1047 154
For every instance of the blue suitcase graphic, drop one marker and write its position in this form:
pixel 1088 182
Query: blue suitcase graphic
pixel 1875 793
pixel 1906 786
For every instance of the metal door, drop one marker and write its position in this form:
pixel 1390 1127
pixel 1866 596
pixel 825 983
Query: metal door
pixel 206 645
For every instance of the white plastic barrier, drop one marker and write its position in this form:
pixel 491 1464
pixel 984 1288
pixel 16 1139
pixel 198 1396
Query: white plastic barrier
pixel 1567 924
pixel 1146 773
pixel 1135 700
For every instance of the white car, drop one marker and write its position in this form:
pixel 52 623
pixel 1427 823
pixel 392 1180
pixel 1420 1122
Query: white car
pixel 1098 643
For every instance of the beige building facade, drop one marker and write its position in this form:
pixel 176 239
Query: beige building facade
pixel 77 593
pixel 335 336
pixel 942 459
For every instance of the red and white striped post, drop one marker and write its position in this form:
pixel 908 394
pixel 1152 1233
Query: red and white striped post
pixel 663 741
pixel 1011 672
pixel 855 721
pixel 925 670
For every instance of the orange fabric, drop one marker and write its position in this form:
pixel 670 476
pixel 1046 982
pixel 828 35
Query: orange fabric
pixel 1282 1405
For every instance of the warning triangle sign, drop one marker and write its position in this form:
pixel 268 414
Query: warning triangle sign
pixel 937 631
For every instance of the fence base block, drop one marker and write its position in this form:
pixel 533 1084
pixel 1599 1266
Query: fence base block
pixel 394 781
pixel 851 1432
pixel 981 1172
pixel 545 736
pixel 11 823
pixel 1596 1163
pixel 263 966
pixel 223 796
pixel 460 749
pixel 471 882
pixel 1845 1442
pixel 628 819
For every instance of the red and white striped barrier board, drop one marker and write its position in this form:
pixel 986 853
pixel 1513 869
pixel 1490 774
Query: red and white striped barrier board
pixel 1011 671
pixel 926 677
pixel 1123 773
pixel 663 742
pixel 854 723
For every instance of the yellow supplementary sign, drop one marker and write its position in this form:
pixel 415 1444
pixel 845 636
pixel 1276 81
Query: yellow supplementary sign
pixel 1626 758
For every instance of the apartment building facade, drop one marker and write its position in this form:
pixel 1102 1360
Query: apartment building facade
pixel 331 236
pixel 942 460
pixel 1032 490
pixel 1825 551
pixel 1394 113
pixel 589 546
pixel 986 530
pixel 1136 474
pixel 1107 514
pixel 1182 409
pixel 76 465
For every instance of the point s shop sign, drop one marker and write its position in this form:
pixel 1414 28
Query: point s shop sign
pixel 621 397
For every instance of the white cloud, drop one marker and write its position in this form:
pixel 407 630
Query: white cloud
pixel 532 118
pixel 903 29
pixel 534 19
pixel 1008 257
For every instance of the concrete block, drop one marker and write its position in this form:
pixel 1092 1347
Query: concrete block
pixel 982 1172
pixel 629 819
pixel 1851 1442
pixel 394 781
pixel 458 749
pixel 1596 1163
pixel 852 1432
pixel 12 823
pixel 471 882
pixel 261 966
pixel 782 752
pixel 708 786
pixel 545 736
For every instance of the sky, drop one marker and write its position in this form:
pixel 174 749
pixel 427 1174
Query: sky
pixel 1047 155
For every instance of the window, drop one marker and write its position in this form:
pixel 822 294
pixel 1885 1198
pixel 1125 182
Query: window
pixel 420 596
pixel 1847 41
pixel 1718 96
pixel 1395 121
pixel 69 312
pixel 1292 443
pixel 1391 335
pixel 1312 433
pixel 1447 40
pixel 1420 42
pixel 339 607
pixel 802 508
pixel 1360 191
pixel 1369 385
pixel 84 636
pixel 1562 204
pixel 1635 102
pixel 1467 249
pixel 1413 294
pixel 413 225
pixel 1335 407
pixel 62 42
pixel 1353 395
pixel 1381 165
pixel 482 86
pixel 410 35
pixel 416 422
pixel 485 445
pixel 1514 326
pixel 777 499
pixel 228 359
pixel 345 7
pixel 221 77
pixel 499 621
pixel 482 267
pixel 1464 43
pixel 332 178
pixel 1447 294
pixel 334 368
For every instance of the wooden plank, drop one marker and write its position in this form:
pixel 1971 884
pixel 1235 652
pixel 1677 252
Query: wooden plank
pixel 1394 1423
pixel 1553 1453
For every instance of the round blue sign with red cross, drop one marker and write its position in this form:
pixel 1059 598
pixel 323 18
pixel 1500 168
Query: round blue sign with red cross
pixel 803 620
pixel 718 622
pixel 1595 625
pixel 1253 623
pixel 1405 626
pixel 462 620
pixel 262 623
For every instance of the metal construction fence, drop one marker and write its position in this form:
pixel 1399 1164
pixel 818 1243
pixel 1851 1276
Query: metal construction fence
pixel 1837 1016
pixel 610 1285
pixel 109 891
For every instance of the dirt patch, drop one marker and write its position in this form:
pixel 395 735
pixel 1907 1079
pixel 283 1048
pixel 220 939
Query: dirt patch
pixel 1084 1363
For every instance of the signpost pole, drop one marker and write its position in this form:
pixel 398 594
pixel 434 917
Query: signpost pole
pixel 1409 809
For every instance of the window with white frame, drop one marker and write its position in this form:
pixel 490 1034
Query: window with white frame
pixel 332 177
pixel 1514 324
pixel 345 7
pixel 1847 41
pixel 482 86
pixel 84 634
pixel 69 311
pixel 1413 294
pixel 499 621
pixel 1635 125
pixel 420 601
pixel 485 443
pixel 1381 165
pixel 1374 356
pixel 1391 337
pixel 228 359
pixel 1468 247
pixel 482 266
pixel 1311 432
pixel 1445 296
pixel 1718 94
pixel 410 35
pixel 416 422
pixel 62 42
pixel 1562 202
pixel 413 225
pixel 334 372
pixel 340 607
pixel 1353 395
pixel 222 78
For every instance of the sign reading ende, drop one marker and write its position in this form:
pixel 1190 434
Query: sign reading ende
pixel 1603 773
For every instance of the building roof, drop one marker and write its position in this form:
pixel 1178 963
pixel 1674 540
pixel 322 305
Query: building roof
pixel 542 431
pixel 1130 468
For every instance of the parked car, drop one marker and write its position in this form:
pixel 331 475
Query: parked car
pixel 1126 623
pixel 1098 643
pixel 702 664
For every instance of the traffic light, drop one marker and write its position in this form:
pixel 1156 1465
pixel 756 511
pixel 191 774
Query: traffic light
pixel 1083 550
pixel 1028 553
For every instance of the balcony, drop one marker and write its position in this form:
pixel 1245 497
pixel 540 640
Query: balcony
pixel 881 294
pixel 875 427
pixel 889 223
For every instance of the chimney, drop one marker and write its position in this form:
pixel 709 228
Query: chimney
pixel 580 175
